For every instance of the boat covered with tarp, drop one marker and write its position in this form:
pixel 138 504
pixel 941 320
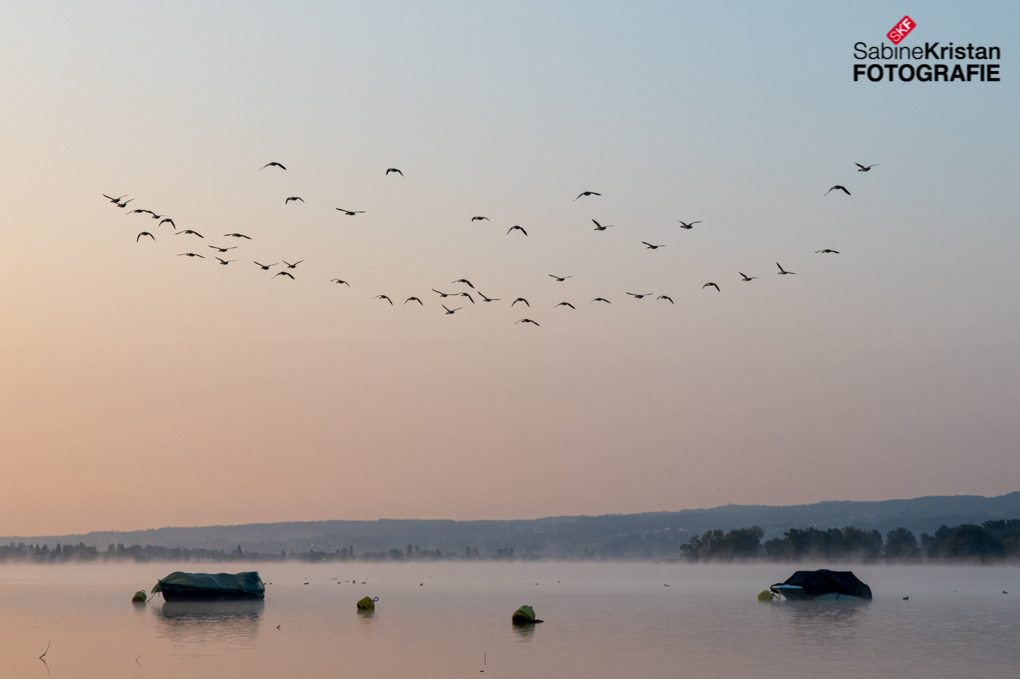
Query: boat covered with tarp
pixel 180 586
pixel 824 585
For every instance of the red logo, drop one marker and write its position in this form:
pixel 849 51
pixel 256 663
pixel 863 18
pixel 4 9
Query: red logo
pixel 901 30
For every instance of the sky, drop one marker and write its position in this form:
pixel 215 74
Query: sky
pixel 143 389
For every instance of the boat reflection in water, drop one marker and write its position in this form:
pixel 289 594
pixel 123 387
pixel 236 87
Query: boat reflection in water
pixel 210 623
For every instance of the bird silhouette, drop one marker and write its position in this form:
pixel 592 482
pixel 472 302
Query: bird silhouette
pixel 292 266
pixel 393 169
pixel 526 320
pixel 340 282
pixel 124 204
pixel 653 247
pixel 601 227
pixel 385 298
pixel 413 299
pixel 560 279
pixel 224 262
pixel 283 273
pixel 782 271
pixel 587 193
pixel 189 254
pixel 521 229
pixel 837 186
pixel 265 267
pixel 144 233
pixel 713 285
pixel 600 299
pixel 865 169
pixel 465 282
pixel 351 213
pixel 640 296
pixel 826 251
pixel 451 311
pixel 488 299
pixel 222 250
pixel 687 225
pixel 468 295
pixel 189 231
pixel 441 294
pixel 667 298
pixel 520 299
pixel 167 220
pixel 139 212
pixel 113 200
pixel 479 218
pixel 566 304
pixel 746 278
pixel 272 164
pixel 236 235
pixel 295 198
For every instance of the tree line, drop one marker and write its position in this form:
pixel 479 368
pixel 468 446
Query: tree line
pixel 39 553
pixel 992 540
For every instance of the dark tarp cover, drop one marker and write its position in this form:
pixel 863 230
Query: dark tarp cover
pixel 817 583
pixel 249 583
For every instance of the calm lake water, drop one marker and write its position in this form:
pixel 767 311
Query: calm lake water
pixel 446 620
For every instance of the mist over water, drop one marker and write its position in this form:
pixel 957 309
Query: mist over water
pixel 452 619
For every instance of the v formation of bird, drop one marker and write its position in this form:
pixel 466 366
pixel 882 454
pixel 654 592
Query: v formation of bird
pixel 123 201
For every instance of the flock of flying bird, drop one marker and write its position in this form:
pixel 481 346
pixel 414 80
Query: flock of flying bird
pixel 123 201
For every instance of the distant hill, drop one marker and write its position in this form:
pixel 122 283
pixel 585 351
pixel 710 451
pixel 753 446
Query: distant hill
pixel 648 535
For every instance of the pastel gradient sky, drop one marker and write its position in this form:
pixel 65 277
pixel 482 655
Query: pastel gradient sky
pixel 142 389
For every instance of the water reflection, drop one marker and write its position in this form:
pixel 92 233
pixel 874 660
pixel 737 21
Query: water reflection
pixel 822 625
pixel 230 622
pixel 524 632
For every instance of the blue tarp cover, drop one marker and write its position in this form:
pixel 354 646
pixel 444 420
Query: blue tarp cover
pixel 817 583
pixel 249 583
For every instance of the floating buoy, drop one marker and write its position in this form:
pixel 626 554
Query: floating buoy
pixel 367 603
pixel 765 595
pixel 139 597
pixel 525 615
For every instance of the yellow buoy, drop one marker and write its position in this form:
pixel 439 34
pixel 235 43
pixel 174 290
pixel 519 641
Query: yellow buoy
pixel 765 595
pixel 367 604
pixel 139 597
